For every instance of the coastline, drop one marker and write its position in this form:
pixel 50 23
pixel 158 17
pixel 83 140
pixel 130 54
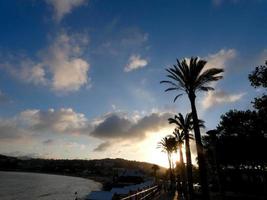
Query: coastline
pixel 33 185
pixel 97 179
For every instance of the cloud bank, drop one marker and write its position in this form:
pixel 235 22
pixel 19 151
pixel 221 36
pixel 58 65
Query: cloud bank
pixel 112 128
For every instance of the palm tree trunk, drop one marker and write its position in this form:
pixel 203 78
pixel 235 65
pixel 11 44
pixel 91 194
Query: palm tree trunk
pixel 170 164
pixel 189 166
pixel 200 150
pixel 183 174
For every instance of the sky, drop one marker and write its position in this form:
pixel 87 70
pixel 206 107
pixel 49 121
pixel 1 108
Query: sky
pixel 81 78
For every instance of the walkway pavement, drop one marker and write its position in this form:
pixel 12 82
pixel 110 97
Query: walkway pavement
pixel 167 196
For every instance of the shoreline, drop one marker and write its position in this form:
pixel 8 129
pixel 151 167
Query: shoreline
pixel 97 179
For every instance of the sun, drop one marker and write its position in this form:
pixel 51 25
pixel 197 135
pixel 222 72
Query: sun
pixel 153 154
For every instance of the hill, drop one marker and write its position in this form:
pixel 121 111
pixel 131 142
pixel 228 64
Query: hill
pixel 83 168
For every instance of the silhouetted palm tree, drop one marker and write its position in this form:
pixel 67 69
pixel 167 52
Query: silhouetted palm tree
pixel 190 78
pixel 168 145
pixel 186 125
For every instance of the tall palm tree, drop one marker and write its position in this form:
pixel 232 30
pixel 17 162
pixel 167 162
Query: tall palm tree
pixel 186 125
pixel 190 78
pixel 168 145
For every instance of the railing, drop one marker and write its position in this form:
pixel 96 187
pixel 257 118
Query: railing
pixel 144 194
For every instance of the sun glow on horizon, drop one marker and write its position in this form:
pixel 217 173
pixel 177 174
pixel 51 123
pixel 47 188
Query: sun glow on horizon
pixel 153 154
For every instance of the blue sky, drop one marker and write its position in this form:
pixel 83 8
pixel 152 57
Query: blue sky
pixel 80 78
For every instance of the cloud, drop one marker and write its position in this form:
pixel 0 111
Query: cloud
pixel 103 146
pixel 214 98
pixel 135 62
pixel 26 70
pixel 220 59
pixel 63 7
pixel 32 123
pixel 60 66
pixel 118 126
pixel 9 130
pixel 64 120
pixel 112 128
pixel 69 71
pixel 74 145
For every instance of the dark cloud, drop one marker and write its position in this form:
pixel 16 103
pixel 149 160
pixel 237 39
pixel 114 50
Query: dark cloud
pixel 151 123
pixel 103 146
pixel 114 126
pixel 118 127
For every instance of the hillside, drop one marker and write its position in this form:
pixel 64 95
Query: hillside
pixel 84 168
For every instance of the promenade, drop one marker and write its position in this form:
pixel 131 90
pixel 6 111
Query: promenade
pixel 167 196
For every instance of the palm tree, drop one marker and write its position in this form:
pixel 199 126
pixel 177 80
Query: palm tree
pixel 186 125
pixel 168 145
pixel 190 78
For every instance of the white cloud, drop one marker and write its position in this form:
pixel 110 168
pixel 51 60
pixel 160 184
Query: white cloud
pixel 68 69
pixel 28 71
pixel 63 7
pixel 60 65
pixel 135 62
pixel 220 59
pixel 214 98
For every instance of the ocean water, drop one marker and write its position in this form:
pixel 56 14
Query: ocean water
pixel 33 186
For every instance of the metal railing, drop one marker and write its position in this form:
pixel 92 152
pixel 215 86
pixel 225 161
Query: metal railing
pixel 144 194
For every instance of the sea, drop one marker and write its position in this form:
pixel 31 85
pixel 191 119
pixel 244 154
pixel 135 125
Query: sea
pixel 35 186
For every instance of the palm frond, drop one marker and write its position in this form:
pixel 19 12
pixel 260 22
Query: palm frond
pixel 177 97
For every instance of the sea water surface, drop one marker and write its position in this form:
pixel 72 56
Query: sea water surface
pixel 34 186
